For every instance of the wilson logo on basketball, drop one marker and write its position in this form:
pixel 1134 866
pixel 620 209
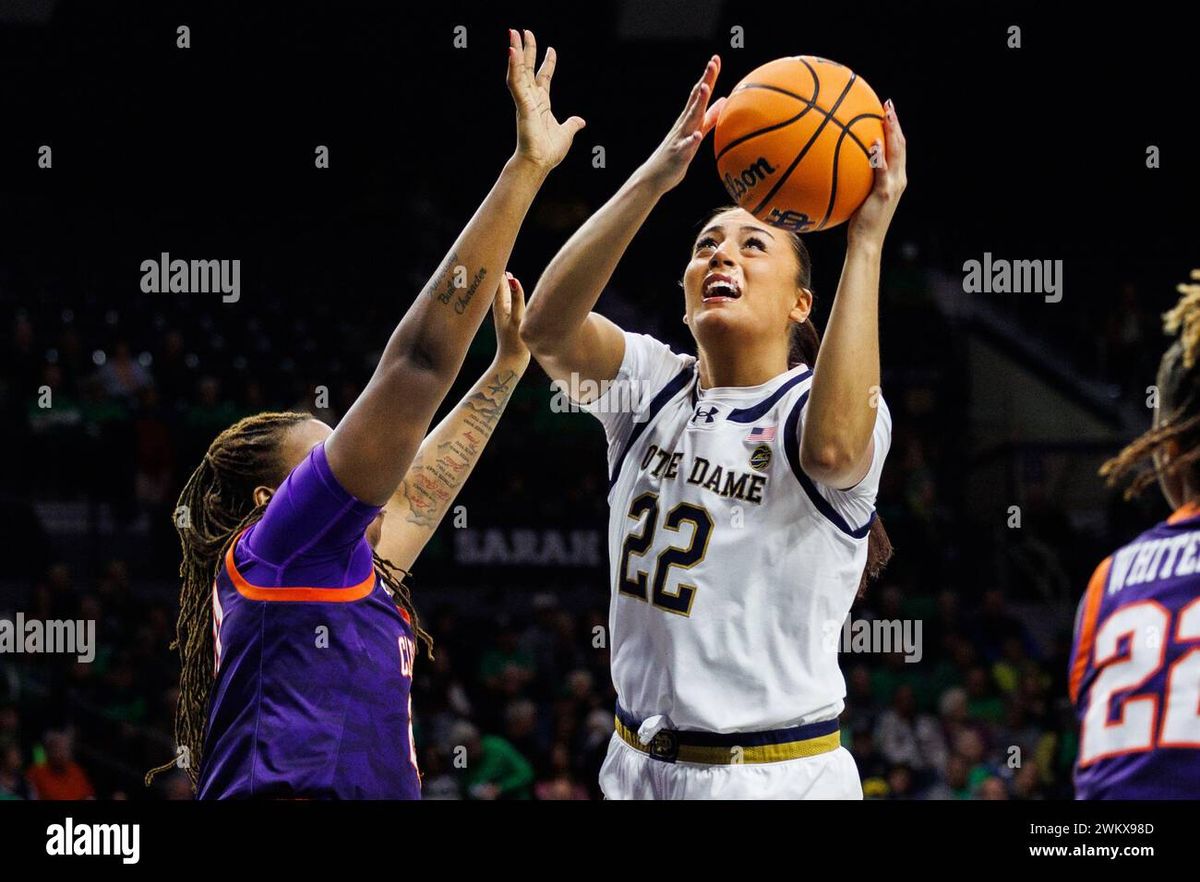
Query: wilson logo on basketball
pixel 749 178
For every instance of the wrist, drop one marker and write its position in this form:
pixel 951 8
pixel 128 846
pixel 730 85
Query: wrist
pixel 516 362
pixel 864 245
pixel 650 182
pixel 527 168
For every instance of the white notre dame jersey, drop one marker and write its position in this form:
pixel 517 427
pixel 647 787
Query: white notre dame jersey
pixel 732 571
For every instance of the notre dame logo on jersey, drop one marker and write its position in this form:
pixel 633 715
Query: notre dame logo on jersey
pixel 760 458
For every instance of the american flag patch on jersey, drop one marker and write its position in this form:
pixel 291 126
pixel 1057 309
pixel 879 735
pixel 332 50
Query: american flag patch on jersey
pixel 761 433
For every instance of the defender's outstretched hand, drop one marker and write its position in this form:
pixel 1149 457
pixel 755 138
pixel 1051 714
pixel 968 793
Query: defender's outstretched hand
pixel 541 139
pixel 508 309
pixel 669 162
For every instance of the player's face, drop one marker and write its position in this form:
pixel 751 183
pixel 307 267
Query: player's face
pixel 298 444
pixel 741 280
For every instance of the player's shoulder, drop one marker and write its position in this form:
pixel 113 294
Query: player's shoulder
pixel 653 372
pixel 1100 574
pixel 645 352
pixel 1183 520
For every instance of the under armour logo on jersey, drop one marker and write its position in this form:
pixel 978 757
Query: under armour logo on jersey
pixel 705 415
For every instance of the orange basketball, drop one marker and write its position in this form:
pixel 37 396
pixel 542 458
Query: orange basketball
pixel 793 142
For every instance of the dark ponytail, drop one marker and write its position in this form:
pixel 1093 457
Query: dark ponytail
pixel 805 341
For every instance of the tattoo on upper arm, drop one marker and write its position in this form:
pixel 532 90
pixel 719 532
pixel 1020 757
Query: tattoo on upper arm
pixel 435 479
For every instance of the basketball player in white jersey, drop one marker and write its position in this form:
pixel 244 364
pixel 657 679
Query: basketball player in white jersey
pixel 742 490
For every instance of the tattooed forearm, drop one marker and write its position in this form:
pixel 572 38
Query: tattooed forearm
pixel 441 285
pixel 423 495
pixel 450 284
pixel 464 299
pixel 485 407
pixel 435 479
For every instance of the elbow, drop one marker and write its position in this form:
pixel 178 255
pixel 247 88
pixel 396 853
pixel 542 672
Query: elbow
pixel 429 361
pixel 529 333
pixel 420 358
pixel 828 462
pixel 534 335
pixel 418 362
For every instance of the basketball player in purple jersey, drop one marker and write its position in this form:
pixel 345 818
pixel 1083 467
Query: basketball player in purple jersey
pixel 1135 663
pixel 297 636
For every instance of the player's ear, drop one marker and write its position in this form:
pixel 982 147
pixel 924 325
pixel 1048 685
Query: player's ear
pixel 262 495
pixel 803 306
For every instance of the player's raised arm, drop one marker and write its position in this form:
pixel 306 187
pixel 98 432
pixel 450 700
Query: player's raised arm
pixel 836 445
pixel 560 329
pixel 447 457
pixel 373 446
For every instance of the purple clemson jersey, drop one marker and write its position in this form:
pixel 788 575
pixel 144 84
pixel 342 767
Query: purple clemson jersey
pixel 1135 668
pixel 313 659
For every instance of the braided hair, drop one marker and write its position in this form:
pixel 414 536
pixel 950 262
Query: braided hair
pixel 1177 413
pixel 215 506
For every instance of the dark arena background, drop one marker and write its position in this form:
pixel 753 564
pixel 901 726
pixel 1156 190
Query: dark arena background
pixel 1004 405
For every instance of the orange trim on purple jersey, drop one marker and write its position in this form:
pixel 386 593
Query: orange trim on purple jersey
pixel 1087 626
pixel 1185 511
pixel 294 595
